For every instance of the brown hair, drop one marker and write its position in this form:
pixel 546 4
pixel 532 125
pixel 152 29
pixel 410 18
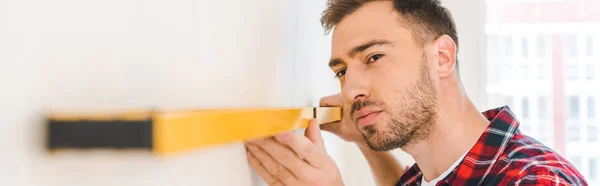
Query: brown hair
pixel 426 19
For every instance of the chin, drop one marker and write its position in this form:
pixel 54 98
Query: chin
pixel 382 137
pixel 380 145
pixel 381 140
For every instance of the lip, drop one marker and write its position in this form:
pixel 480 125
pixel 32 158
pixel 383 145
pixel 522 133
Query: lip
pixel 366 117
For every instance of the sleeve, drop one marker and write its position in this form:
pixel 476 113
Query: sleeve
pixel 545 176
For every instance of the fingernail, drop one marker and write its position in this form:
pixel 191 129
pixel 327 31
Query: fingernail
pixel 282 136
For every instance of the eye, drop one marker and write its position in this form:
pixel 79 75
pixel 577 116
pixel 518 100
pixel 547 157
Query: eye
pixel 374 58
pixel 340 74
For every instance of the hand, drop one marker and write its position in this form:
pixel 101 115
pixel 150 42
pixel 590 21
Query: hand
pixel 345 129
pixel 293 159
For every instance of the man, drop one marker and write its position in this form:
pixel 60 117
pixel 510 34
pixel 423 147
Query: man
pixel 396 63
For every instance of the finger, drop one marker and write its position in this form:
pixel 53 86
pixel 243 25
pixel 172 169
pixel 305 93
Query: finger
pixel 285 156
pixel 260 169
pixel 303 147
pixel 271 165
pixel 333 127
pixel 313 133
pixel 335 100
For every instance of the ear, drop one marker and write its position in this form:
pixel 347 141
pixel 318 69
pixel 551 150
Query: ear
pixel 446 55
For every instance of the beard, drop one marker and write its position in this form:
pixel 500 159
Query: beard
pixel 412 119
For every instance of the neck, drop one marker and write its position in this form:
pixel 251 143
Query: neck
pixel 458 127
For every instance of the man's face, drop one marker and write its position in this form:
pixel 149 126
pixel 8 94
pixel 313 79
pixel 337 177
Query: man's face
pixel 385 77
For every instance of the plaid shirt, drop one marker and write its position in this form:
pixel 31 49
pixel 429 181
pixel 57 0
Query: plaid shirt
pixel 504 156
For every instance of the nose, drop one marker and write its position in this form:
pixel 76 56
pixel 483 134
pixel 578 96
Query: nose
pixel 356 86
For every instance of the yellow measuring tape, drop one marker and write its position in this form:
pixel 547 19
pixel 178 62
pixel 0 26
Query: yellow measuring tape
pixel 166 132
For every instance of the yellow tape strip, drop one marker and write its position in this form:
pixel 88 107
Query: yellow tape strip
pixel 180 131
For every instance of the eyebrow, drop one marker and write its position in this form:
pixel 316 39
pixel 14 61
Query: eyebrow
pixel 335 62
pixel 358 49
pixel 367 45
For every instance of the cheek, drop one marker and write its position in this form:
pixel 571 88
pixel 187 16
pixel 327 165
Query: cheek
pixel 388 83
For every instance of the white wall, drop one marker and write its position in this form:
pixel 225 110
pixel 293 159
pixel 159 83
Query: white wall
pixel 469 17
pixel 124 54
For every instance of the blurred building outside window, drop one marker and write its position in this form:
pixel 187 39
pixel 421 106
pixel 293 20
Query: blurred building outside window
pixel 542 58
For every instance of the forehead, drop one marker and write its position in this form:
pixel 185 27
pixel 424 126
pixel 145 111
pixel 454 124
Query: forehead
pixel 374 20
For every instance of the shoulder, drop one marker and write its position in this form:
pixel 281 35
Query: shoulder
pixel 548 175
pixel 526 161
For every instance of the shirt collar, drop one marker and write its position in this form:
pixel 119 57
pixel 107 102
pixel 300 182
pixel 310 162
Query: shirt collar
pixel 490 145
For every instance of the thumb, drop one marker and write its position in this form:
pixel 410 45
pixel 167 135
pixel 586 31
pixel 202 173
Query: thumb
pixel 313 132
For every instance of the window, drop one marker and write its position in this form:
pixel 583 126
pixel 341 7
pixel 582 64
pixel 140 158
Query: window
pixel 507 47
pixel 524 47
pixel 569 103
pixel 525 107
pixel 574 107
pixel 589 46
pixel 593 163
pixel 573 121
pixel 591 107
pixel 541 46
pixel 589 72
pixel 571 45
pixel 573 132
pixel 571 72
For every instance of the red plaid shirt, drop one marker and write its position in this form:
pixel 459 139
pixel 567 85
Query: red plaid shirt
pixel 504 156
